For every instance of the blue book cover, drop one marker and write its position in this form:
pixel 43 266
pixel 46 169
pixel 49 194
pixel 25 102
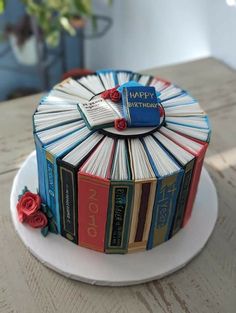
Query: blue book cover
pixel 140 106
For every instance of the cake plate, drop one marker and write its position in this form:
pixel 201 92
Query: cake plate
pixel 97 268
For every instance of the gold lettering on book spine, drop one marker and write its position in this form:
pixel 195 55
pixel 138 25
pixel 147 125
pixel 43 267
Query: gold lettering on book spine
pixel 114 190
pixel 93 210
pixel 168 188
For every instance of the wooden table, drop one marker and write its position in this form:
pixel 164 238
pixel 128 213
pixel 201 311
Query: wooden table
pixel 207 284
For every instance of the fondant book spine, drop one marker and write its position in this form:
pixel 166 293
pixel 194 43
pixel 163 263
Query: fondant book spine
pixel 194 184
pixel 41 168
pixel 92 210
pixel 164 208
pixel 119 216
pixel 182 198
pixel 68 197
pixel 144 196
pixel 195 175
pixel 52 187
pixel 68 204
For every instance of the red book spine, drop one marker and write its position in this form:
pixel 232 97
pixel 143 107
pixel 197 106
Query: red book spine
pixel 194 185
pixel 93 196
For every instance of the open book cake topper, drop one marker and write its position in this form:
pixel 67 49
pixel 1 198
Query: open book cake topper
pixel 130 105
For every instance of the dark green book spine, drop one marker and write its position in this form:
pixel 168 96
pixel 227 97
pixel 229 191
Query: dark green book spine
pixel 183 197
pixel 119 216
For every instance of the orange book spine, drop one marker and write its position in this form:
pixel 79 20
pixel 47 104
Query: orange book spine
pixel 93 196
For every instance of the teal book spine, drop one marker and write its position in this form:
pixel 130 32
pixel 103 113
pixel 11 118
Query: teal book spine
pixel 52 187
pixel 182 198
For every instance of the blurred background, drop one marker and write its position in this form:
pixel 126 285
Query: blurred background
pixel 43 41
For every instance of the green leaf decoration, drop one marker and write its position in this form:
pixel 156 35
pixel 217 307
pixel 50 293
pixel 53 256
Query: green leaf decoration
pixel 44 208
pixel 44 231
pixel 52 226
pixel 24 190
pixel 49 213
pixel 2 6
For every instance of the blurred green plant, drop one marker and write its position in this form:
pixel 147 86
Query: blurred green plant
pixel 53 16
pixel 2 5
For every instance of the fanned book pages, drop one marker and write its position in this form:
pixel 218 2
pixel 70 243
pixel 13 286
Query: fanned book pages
pixel 123 77
pixel 108 78
pixel 92 83
pixel 119 158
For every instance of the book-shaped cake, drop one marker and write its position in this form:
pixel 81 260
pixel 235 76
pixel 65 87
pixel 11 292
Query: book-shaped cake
pixel 119 158
pixel 140 106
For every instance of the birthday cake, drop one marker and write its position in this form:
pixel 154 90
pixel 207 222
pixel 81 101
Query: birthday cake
pixel 119 159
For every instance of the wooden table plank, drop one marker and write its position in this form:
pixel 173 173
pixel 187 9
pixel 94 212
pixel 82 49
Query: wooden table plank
pixel 206 285
pixel 16 140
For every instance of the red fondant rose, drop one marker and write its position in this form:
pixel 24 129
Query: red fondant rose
pixel 106 94
pixel 115 95
pixel 21 215
pixel 28 205
pixel 120 123
pixel 38 220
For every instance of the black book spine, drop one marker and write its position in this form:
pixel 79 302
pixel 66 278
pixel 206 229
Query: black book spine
pixel 68 201
pixel 182 198
pixel 68 197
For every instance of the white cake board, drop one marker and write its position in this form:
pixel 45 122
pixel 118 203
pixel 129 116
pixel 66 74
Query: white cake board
pixel 97 268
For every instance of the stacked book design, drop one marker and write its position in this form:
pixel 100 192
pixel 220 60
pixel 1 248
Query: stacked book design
pixel 118 194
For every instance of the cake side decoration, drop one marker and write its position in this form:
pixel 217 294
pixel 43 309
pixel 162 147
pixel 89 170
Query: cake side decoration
pixel 120 123
pixel 140 106
pixel 34 213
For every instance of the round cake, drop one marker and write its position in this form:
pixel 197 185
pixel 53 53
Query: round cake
pixel 119 159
